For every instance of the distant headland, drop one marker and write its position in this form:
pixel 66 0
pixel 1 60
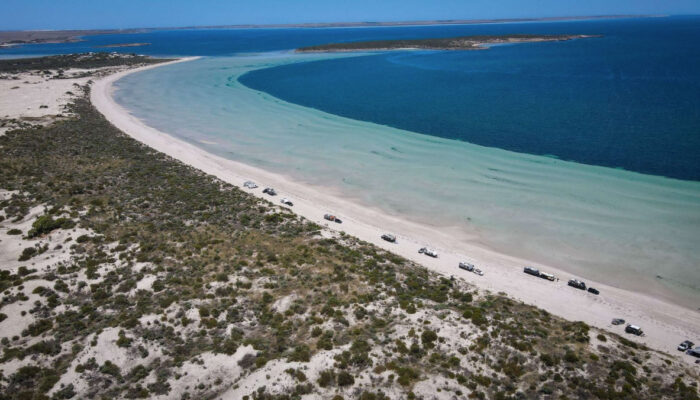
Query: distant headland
pixel 16 38
pixel 454 43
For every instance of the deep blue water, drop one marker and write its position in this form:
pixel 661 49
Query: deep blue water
pixel 629 100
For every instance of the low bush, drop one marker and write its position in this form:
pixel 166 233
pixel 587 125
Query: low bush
pixel 46 224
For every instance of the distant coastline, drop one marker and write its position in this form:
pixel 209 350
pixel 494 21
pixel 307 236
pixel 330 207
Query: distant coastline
pixel 422 22
pixel 17 38
pixel 455 43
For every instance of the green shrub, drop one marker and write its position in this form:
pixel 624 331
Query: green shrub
pixel 345 379
pixel 619 365
pixel 123 340
pixel 27 253
pixel 138 373
pixel 570 357
pixel 60 286
pixel 83 239
pixel 373 396
pixel 629 343
pixel 110 368
pixel 158 285
pixel 38 327
pixel 406 375
pixel 428 338
pixel 300 353
pixel 46 224
pixel 67 392
pixel 24 271
pixel 50 347
pixel 476 315
pixel 549 359
pixel 326 378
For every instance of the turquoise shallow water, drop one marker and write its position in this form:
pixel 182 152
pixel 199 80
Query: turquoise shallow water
pixel 606 224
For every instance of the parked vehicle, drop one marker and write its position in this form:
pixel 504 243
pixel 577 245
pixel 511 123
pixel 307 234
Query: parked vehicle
pixel 686 345
pixel 577 284
pixel 389 238
pixel 634 329
pixel 547 276
pixel 694 352
pixel 428 252
pixel 249 184
pixel 593 290
pixel 286 202
pixel 531 271
pixel 333 218
pixel 478 272
pixel 270 191
pixel 618 321
pixel 466 266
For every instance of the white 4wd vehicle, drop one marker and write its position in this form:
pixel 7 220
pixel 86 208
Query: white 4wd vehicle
pixel 428 252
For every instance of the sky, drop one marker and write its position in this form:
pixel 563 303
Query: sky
pixel 121 14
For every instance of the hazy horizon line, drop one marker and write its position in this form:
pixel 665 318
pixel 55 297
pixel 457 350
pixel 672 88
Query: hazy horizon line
pixel 452 21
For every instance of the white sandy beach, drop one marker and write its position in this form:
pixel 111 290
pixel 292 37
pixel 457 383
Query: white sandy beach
pixel 665 324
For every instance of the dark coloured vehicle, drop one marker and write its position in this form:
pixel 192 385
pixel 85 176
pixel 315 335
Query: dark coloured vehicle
pixel 618 321
pixel 686 345
pixel 270 191
pixel 333 218
pixel 593 290
pixel 531 271
pixel 577 284
pixel 634 329
pixel 389 238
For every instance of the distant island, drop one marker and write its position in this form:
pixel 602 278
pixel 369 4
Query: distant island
pixel 454 43
pixel 124 45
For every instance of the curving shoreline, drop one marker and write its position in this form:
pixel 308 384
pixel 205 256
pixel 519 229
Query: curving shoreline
pixel 666 324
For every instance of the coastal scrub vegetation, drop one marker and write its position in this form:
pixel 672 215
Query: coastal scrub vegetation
pixel 67 61
pixel 175 283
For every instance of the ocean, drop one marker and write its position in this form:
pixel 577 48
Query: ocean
pixel 581 154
